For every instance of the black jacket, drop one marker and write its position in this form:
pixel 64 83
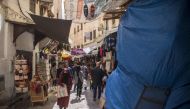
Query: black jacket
pixel 97 75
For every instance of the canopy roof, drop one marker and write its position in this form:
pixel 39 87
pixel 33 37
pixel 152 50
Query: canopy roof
pixel 56 29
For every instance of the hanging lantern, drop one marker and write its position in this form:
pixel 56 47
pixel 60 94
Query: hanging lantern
pixel 92 10
pixel 85 10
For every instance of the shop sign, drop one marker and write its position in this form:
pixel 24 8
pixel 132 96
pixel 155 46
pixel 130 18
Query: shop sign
pixel 85 10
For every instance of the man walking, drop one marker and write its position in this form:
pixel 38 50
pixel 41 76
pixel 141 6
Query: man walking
pixel 97 75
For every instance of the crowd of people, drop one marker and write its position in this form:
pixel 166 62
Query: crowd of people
pixel 77 77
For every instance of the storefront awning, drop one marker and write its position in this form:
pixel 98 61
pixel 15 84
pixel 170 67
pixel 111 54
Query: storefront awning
pixel 55 29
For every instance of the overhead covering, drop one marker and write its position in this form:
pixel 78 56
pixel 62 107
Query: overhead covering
pixel 21 28
pixel 77 52
pixel 38 37
pixel 153 53
pixel 87 50
pixel 56 29
pixel 18 30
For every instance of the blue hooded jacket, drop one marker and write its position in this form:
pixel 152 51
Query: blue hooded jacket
pixel 153 49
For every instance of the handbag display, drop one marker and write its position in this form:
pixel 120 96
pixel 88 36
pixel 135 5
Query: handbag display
pixel 62 91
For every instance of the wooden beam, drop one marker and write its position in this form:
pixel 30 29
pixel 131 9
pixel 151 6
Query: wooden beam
pixel 114 12
pixel 109 18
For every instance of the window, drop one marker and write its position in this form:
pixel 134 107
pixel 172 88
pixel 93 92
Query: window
pixel 113 21
pixel 41 11
pixel 107 25
pixel 77 28
pixel 81 45
pixel 32 6
pixel 57 15
pixel 90 35
pixel 74 30
pixel 84 38
pixel 81 26
pixel 94 33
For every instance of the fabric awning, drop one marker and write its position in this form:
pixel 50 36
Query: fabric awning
pixel 20 28
pixel 77 52
pixel 55 29
pixel 89 49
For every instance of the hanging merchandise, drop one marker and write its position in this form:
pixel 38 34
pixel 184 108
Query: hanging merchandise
pixel 85 9
pixel 39 83
pixel 92 10
pixel 21 74
pixel 39 89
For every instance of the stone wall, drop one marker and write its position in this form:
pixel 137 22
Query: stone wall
pixel 7 53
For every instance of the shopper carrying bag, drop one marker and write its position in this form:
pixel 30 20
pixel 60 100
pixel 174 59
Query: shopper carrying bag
pixel 62 91
pixel 64 86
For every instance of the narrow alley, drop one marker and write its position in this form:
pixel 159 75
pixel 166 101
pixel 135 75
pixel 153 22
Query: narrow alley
pixel 86 102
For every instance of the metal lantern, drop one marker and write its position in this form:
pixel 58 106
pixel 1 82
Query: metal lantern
pixel 85 10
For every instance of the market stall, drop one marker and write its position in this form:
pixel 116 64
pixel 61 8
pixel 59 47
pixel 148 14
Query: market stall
pixel 40 80
pixel 39 84
pixel 39 90
pixel 21 75
pixel 108 52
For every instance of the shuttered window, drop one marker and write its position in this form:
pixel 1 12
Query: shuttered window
pixel 94 34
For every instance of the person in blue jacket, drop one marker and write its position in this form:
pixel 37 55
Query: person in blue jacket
pixel 153 53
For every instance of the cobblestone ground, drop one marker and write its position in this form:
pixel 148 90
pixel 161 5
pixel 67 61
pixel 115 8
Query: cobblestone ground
pixel 86 102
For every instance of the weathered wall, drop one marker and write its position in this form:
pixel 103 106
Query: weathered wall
pixel 7 53
pixel 8 48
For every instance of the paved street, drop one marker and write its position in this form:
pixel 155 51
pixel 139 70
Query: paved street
pixel 86 102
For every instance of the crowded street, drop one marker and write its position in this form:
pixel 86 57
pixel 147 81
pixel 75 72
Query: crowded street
pixel 94 54
pixel 86 102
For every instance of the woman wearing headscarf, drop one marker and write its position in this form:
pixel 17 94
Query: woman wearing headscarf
pixel 64 81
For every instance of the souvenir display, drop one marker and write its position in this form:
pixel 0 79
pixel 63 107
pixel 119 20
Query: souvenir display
pixel 39 89
pixel 39 83
pixel 21 75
